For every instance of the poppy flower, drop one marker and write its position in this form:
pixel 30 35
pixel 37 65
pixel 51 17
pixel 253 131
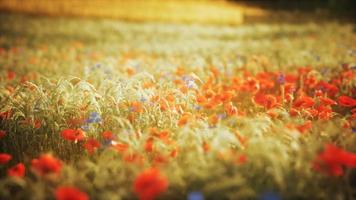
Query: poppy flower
pixel 206 147
pixel 11 75
pixel 70 193
pixel 73 135
pixel 4 158
pixel 304 102
pixel 17 170
pixel 108 135
pixel 327 101
pixel 267 101
pixel 46 164
pixel 332 160
pixel 136 107
pixel 347 101
pixel 305 127
pixel 149 145
pixel 241 159
pixel 183 120
pixel 2 134
pixel 91 145
pixel 331 89
pixel 149 184
pixel 120 147
pixel 174 153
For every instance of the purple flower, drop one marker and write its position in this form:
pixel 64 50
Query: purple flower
pixel 195 196
pixel 269 196
pixel 281 79
pixel 222 116
pixel 197 107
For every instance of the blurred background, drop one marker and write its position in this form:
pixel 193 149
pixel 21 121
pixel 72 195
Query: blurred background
pixel 188 11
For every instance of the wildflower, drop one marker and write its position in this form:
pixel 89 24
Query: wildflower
pixel 269 196
pixel 94 118
pixel 17 170
pixel 347 101
pixel 73 135
pixel 174 153
pixel 206 146
pixel 46 164
pixel 136 106
pixel 120 147
pixel 149 145
pixel 327 101
pixel 305 127
pixel 4 158
pixel 2 134
pixel 183 120
pixel 149 184
pixel 11 75
pixel 267 101
pixel 195 196
pixel 70 193
pixel 281 79
pixel 332 160
pixel 91 145
pixel 304 102
pixel 108 135
pixel 241 159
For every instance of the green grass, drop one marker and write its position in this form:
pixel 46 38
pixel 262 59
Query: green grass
pixel 78 66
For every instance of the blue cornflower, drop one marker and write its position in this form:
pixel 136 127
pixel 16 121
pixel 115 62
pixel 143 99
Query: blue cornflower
pixel 85 127
pixel 94 117
pixel 195 196
pixel 353 67
pixel 353 129
pixel 269 196
pixel 197 107
pixel 281 79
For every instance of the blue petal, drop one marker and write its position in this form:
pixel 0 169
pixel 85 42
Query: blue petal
pixel 195 196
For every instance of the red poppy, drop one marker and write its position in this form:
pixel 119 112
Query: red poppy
pixel 332 160
pixel 73 135
pixel 305 127
pixel 17 170
pixel 347 101
pixel 120 147
pixel 136 107
pixel 11 75
pixel 304 102
pixel 70 193
pixel 149 145
pixel 241 159
pixel 4 158
pixel 46 164
pixel 108 135
pixel 267 101
pixel 2 134
pixel 331 89
pixel 183 120
pixel 91 145
pixel 327 101
pixel 149 184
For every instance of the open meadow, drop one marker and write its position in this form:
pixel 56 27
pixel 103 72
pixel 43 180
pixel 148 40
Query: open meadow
pixel 95 108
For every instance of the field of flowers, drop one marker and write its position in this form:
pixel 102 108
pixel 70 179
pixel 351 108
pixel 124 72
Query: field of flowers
pixel 106 109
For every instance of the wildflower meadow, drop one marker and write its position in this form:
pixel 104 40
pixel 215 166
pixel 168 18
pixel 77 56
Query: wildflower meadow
pixel 94 108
